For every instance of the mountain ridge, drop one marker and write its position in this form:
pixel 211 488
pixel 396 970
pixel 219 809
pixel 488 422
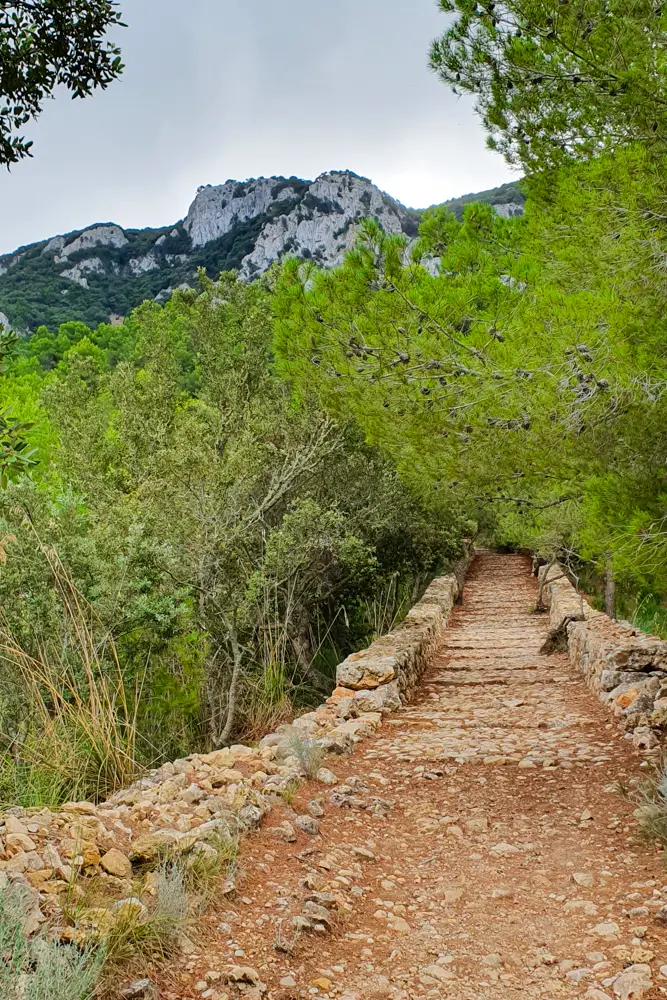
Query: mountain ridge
pixel 100 273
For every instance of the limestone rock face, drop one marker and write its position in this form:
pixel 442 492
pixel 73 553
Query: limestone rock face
pixel 218 209
pixel 92 265
pixel 98 236
pixel 510 210
pixel 54 246
pixel 140 265
pixel 315 220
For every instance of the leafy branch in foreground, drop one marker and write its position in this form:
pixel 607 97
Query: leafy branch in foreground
pixel 45 45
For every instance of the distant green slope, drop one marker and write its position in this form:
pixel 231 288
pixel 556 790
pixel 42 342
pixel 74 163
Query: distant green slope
pixel 506 194
pixel 33 293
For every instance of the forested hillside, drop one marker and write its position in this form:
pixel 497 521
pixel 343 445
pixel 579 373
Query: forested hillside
pixel 100 274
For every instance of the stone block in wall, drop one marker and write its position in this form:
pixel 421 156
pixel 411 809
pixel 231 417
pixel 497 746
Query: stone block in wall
pixel 659 714
pixel 611 678
pixel 368 669
pixel 385 699
pixel 636 696
pixel 640 654
pixel 442 592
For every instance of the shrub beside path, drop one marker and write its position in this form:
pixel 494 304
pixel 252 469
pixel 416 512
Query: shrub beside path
pixel 477 846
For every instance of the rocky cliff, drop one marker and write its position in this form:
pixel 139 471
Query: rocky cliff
pixel 101 273
pixel 307 220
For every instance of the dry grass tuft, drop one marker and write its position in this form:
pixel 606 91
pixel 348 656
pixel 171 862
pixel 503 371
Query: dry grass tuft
pixel 652 811
pixel 80 740
pixel 309 753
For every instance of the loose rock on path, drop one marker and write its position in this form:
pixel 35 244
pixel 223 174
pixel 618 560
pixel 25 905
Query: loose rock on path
pixel 478 846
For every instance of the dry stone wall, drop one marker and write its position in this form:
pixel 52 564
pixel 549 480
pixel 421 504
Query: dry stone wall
pixel 185 807
pixel 385 676
pixel 624 666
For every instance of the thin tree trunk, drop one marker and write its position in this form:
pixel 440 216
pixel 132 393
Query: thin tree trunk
pixel 304 655
pixel 610 590
pixel 543 582
pixel 234 685
pixel 302 649
pixel 214 708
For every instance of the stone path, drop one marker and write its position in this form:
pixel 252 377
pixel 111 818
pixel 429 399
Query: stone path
pixel 478 846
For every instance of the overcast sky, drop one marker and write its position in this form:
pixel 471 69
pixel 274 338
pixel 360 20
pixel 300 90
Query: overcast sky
pixel 218 89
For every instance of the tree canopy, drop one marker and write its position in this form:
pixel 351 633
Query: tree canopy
pixel 517 366
pixel 45 44
pixel 559 80
pixel 230 547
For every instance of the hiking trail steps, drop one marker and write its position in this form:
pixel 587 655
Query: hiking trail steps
pixel 477 846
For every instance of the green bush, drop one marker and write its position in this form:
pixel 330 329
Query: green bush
pixel 37 968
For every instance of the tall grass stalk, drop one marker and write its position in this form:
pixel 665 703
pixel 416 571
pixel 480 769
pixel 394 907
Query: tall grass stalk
pixel 650 616
pixel 652 811
pixel 268 699
pixel 81 738
pixel 386 610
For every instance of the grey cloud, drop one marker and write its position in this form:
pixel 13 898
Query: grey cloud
pixel 237 88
